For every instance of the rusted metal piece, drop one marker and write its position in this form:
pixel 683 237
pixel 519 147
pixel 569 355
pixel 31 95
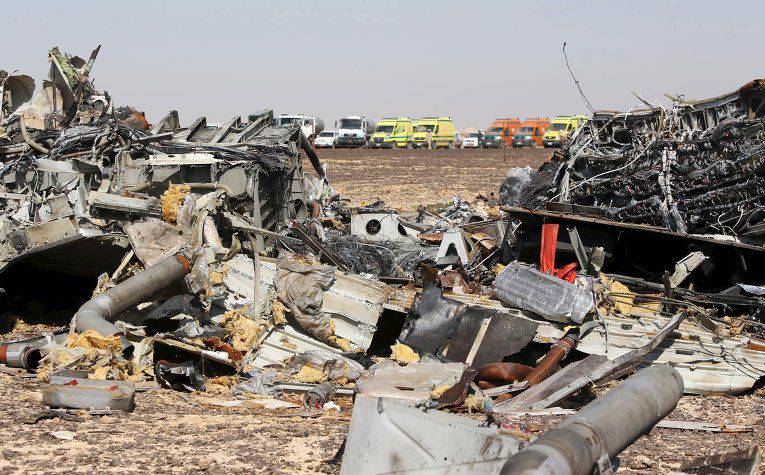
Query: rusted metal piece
pixel 457 394
pixel 498 374
pixel 431 238
pixel 551 361
pixel 486 244
pixel 315 209
pixel 216 344
pixel 548 366
pixel 454 279
pixel 755 346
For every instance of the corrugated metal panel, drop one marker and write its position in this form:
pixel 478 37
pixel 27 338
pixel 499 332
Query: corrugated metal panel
pixel 355 305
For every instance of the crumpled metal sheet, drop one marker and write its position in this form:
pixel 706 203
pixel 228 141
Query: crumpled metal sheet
pixel 354 305
pixel 461 332
pixel 153 240
pixel 523 286
pixel 551 385
pixel 412 382
pixel 386 436
pixel 707 362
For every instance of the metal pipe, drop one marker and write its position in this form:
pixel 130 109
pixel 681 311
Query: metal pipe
pixel 28 139
pixel 16 355
pixel 26 353
pixel 97 313
pixel 549 364
pixel 498 374
pixel 603 428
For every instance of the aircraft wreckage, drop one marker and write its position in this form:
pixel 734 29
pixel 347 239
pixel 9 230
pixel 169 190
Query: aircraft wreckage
pixel 176 254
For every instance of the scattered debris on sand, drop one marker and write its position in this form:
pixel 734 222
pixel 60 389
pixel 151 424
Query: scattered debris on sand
pixel 206 260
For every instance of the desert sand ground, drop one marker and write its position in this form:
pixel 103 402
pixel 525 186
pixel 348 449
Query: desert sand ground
pixel 406 178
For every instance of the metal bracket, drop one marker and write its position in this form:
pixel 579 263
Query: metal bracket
pixel 604 466
pixel 580 251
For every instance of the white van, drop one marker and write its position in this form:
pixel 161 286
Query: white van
pixel 326 139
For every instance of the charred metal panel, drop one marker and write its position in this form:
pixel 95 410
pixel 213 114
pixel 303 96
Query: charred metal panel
pixel 487 336
pixel 434 318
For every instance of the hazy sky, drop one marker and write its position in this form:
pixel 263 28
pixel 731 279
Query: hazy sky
pixel 472 60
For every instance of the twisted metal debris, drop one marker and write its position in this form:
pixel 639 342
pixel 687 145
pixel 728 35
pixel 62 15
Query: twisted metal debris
pixel 697 167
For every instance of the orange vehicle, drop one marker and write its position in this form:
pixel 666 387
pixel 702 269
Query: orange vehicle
pixel 531 132
pixel 503 128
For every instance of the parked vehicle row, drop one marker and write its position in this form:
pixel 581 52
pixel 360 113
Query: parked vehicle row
pixel 435 132
pixel 532 132
pixel 390 132
pixel 501 132
pixel 402 132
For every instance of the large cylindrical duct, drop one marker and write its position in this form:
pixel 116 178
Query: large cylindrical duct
pixel 97 313
pixel 603 428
